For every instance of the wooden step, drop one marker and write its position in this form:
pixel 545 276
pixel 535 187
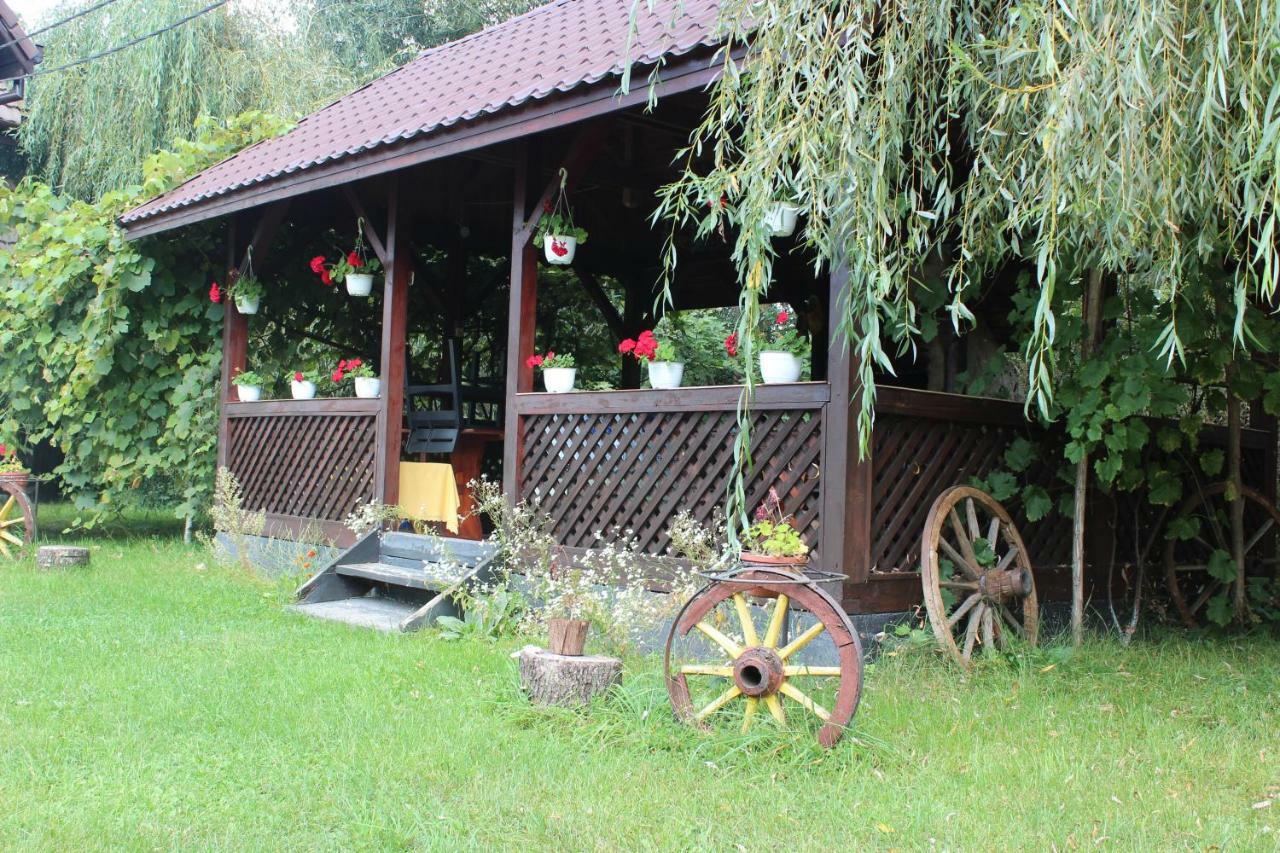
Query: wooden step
pixel 384 614
pixel 430 577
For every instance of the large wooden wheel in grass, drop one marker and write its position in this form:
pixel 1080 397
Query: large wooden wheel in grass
pixel 720 668
pixel 976 575
pixel 17 521
pixel 1199 568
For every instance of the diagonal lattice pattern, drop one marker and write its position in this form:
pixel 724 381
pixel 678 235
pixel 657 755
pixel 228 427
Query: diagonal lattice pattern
pixel 633 471
pixel 915 459
pixel 310 466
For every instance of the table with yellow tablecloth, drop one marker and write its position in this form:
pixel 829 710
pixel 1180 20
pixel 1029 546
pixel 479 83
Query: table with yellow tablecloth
pixel 429 492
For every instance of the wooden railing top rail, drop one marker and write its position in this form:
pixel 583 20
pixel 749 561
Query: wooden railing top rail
pixel 703 398
pixel 286 408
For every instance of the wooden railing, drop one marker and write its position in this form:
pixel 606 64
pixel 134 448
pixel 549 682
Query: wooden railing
pixel 605 464
pixel 305 463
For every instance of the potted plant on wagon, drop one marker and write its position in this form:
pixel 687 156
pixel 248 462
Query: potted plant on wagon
pixel 11 468
pixel 302 384
pixel 248 386
pixel 777 363
pixel 367 383
pixel 558 371
pixel 559 236
pixel 773 539
pixel 665 369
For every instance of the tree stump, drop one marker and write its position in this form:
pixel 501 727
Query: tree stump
pixel 61 556
pixel 568 681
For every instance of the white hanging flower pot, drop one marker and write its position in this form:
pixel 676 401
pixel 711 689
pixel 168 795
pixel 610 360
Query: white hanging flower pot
pixel 558 380
pixel 666 374
pixel 779 367
pixel 302 390
pixel 781 219
pixel 248 304
pixel 359 283
pixel 368 386
pixel 559 248
pixel 248 393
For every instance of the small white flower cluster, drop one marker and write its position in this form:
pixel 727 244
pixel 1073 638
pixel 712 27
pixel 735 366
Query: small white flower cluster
pixel 370 515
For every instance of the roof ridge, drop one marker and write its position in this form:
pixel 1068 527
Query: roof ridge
pixel 536 10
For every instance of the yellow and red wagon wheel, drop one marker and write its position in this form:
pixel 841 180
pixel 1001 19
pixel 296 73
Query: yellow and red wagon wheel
pixel 1192 565
pixel 976 575
pixel 17 521
pixel 717 660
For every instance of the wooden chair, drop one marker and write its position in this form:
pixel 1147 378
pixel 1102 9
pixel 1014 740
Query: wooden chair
pixel 434 412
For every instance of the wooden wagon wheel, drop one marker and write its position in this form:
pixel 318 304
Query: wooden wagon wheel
pixel 17 521
pixel 750 669
pixel 1190 565
pixel 979 589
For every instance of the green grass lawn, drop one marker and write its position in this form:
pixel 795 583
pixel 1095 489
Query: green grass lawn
pixel 157 701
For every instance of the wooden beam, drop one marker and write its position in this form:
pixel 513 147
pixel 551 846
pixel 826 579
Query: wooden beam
pixel 847 486
pixel 370 232
pixel 235 348
pixel 521 320
pixel 685 74
pixel 264 233
pixel 395 321
pixel 612 318
pixel 585 147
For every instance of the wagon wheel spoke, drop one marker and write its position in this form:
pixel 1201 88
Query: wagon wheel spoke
pixel 774 704
pixel 817 671
pixel 959 559
pixel 1209 592
pixel 975 532
pixel 750 712
pixel 719 702
pixel 4 549
pixel 970 585
pixel 1012 620
pixel 803 640
pixel 744 617
pixel 964 608
pixel 774 631
pixel 966 546
pixel 988 630
pixel 6 535
pixel 971 633
pixel 732 649
pixel 789 689
pixel 8 506
pixel 1008 558
pixel 1257 537
pixel 704 669
pixel 993 532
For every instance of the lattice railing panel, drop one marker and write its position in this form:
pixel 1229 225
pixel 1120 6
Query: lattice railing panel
pixel 915 459
pixel 316 466
pixel 618 472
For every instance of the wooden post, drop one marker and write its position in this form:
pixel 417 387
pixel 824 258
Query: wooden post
pixel 1234 452
pixel 235 344
pixel 395 321
pixel 521 321
pixel 846 490
pixel 1092 327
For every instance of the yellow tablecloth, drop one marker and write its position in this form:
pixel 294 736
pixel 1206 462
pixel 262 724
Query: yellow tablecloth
pixel 429 492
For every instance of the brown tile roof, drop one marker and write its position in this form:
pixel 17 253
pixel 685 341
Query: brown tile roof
pixel 553 48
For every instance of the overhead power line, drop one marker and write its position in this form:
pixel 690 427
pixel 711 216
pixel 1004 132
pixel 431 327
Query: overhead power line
pixel 95 7
pixel 123 46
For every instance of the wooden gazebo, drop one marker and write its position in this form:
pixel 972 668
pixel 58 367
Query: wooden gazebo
pixel 475 133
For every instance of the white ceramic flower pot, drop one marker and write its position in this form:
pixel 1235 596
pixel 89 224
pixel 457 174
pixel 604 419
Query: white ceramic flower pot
pixel 559 249
pixel 558 380
pixel 248 304
pixel 779 367
pixel 359 283
pixel 666 374
pixel 248 393
pixel 368 386
pixel 303 390
pixel 781 219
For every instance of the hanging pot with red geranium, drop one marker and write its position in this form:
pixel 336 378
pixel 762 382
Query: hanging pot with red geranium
pixel 560 238
pixel 356 269
pixel 246 288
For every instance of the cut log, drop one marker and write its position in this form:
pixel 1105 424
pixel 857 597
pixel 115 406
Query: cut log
pixel 568 681
pixel 61 556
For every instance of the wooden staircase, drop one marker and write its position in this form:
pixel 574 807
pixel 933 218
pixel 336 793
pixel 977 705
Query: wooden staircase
pixel 396 581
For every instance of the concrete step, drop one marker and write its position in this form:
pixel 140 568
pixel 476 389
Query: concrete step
pixel 384 614
pixel 430 576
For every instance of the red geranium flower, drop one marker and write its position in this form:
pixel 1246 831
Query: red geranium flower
pixel 215 294
pixel 353 259
pixel 325 277
pixel 342 365
pixel 626 346
pixel 298 377
pixel 534 360
pixel 317 264
pixel 337 376
pixel 550 355
pixel 355 362
pixel 783 317
pixel 731 345
pixel 546 207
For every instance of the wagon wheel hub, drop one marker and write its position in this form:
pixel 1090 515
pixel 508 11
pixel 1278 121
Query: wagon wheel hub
pixel 758 671
pixel 999 586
